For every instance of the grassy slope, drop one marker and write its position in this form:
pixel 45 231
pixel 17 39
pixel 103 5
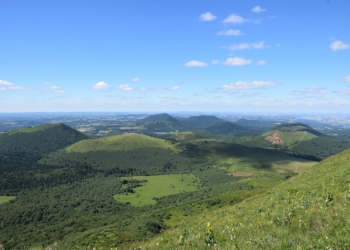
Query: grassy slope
pixel 156 187
pixel 32 129
pixel 237 158
pixel 293 137
pixel 4 199
pixel 310 211
pixel 118 143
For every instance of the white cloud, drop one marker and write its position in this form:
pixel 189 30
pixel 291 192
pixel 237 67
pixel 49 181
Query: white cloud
pixel 230 32
pixel 261 62
pixel 174 88
pixel 345 79
pixel 5 85
pixel 339 45
pixel 315 90
pixel 207 16
pixel 309 91
pixel 195 64
pixel 258 9
pixel 242 46
pixel 234 19
pixel 167 89
pixel 125 87
pixel 296 92
pixel 55 88
pixel 237 61
pixel 215 62
pixel 16 87
pixel 249 85
pixel 345 92
pixel 61 91
pixel 100 85
pixel 136 79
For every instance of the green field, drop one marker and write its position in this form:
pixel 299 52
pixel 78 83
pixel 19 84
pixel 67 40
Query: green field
pixel 123 142
pixel 4 199
pixel 156 187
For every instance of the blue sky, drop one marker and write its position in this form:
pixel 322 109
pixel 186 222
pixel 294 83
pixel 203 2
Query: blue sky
pixel 234 56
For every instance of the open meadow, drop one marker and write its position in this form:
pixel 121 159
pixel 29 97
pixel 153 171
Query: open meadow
pixel 4 199
pixel 156 187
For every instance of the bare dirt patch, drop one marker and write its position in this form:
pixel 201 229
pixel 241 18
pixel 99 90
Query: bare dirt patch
pixel 275 138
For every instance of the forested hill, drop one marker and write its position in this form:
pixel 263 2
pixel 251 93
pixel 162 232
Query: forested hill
pixel 296 127
pixel 157 118
pixel 40 139
pixel 298 139
pixel 202 121
pixel 227 127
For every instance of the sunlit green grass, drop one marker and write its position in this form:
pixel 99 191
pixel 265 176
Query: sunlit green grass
pixel 309 211
pixel 129 141
pixel 294 137
pixel 158 186
pixel 33 129
pixel 4 199
pixel 266 165
pixel 235 158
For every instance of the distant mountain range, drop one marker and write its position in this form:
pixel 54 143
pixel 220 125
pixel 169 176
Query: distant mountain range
pixel 167 123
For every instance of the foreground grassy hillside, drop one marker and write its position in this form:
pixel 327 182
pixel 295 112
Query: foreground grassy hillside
pixel 310 211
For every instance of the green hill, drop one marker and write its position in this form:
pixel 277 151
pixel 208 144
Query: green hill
pixel 160 123
pixel 39 140
pixel 123 142
pixel 256 125
pixel 122 154
pixel 227 127
pixel 157 118
pixel 298 139
pixel 296 127
pixel 310 211
pixel 163 126
pixel 202 121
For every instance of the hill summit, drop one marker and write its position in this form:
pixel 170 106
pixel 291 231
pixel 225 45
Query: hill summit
pixel 40 139
pixel 157 118
pixel 296 127
pixel 202 121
